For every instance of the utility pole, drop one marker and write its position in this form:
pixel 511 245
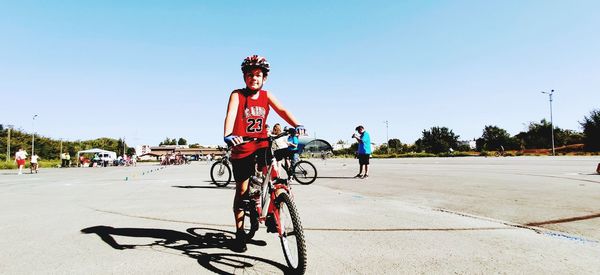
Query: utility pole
pixel 551 123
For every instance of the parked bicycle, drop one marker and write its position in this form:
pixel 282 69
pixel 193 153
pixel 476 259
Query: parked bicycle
pixel 270 201
pixel 220 172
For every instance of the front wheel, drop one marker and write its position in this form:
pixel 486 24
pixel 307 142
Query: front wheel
pixel 304 172
pixel 220 173
pixel 292 234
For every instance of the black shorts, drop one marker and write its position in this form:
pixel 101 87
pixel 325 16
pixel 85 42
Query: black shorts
pixel 363 159
pixel 281 154
pixel 244 168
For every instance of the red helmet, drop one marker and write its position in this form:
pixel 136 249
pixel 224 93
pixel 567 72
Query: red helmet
pixel 255 61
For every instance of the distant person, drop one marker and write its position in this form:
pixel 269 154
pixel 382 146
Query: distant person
pixel 104 159
pixel 96 160
pixel 20 157
pixel 280 145
pixel 34 163
pixel 81 160
pixel 364 151
pixel 63 160
pixel 67 159
pixel 292 148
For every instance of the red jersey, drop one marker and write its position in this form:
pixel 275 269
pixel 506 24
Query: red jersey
pixel 250 121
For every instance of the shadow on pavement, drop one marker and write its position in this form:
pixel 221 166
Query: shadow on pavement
pixel 232 187
pixel 190 243
pixel 352 178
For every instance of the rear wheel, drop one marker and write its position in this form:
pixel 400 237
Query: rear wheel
pixel 304 172
pixel 292 237
pixel 220 173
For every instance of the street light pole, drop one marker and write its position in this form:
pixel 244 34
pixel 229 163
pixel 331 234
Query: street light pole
pixel 551 123
pixel 8 143
pixel 387 137
pixel 33 135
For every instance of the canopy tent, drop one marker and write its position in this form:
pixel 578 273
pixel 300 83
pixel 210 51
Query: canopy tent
pixel 111 154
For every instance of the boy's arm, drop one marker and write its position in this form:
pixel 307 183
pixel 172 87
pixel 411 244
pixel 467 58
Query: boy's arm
pixel 232 107
pixel 281 111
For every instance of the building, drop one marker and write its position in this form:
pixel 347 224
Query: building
pixel 157 151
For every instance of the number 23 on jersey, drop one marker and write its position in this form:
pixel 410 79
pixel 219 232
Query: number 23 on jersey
pixel 255 125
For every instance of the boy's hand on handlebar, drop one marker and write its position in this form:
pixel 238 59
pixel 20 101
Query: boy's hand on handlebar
pixel 233 140
pixel 300 130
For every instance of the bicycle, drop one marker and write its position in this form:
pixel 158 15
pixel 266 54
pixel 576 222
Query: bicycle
pixel 33 167
pixel 302 171
pixel 220 172
pixel 281 216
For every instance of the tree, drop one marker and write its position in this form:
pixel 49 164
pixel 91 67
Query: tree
pixel 182 141
pixel 539 135
pixel 395 144
pixel 570 137
pixel 437 140
pixel 168 141
pixel 382 149
pixel 494 138
pixel 591 131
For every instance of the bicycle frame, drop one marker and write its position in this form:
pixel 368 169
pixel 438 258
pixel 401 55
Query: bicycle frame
pixel 269 190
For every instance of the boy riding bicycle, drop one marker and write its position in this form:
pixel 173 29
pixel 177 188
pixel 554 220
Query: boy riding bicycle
pixel 247 113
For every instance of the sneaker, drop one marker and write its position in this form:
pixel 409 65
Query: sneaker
pixel 358 176
pixel 239 244
pixel 365 177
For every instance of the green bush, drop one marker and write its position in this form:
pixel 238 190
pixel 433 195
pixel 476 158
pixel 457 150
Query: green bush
pixel 456 154
pixel 416 155
pixel 8 165
pixel 42 164
pixel 52 163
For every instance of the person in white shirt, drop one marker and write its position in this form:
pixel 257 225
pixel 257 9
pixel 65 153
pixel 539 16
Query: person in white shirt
pixel 34 163
pixel 280 146
pixel 20 157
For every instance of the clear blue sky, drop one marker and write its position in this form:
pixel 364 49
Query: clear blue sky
pixel 145 70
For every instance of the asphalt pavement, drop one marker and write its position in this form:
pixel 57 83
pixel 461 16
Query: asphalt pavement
pixel 527 215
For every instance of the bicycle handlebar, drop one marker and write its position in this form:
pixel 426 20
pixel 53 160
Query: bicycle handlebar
pixel 269 139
